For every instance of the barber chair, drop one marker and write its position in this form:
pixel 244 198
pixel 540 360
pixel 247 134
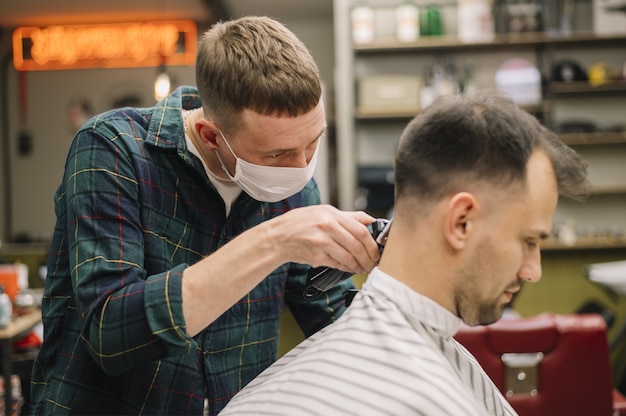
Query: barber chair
pixel 548 364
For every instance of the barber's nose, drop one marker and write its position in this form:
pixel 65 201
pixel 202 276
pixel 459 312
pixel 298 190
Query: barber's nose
pixel 301 159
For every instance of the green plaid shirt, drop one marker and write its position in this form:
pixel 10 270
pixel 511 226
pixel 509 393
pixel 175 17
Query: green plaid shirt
pixel 135 208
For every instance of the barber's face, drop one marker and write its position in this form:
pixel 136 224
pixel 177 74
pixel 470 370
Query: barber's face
pixel 506 253
pixel 275 141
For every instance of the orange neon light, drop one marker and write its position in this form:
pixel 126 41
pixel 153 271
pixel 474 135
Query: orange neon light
pixel 123 45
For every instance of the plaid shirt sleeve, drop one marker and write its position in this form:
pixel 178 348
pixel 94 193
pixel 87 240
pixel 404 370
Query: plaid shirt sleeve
pixel 129 319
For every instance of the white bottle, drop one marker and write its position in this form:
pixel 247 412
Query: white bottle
pixel 363 31
pixel 6 308
pixel 475 21
pixel 407 22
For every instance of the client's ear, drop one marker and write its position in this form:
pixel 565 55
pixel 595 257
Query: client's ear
pixel 459 219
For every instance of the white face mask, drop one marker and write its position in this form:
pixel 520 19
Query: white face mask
pixel 269 183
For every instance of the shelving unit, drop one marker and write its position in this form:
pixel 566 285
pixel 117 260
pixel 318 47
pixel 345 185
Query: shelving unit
pixel 367 138
pixel 587 244
pixel 583 87
pixel 581 139
pixel 365 115
pixel 503 41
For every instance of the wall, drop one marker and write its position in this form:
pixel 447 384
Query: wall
pixel 317 35
pixel 35 176
pixel 4 50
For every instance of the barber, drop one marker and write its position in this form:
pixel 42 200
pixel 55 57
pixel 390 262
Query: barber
pixel 181 230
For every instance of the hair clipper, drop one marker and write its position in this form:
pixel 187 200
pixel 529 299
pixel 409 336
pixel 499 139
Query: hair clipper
pixel 320 279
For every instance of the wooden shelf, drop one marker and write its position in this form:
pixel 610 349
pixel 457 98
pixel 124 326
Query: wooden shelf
pixel 385 114
pixel 586 244
pixel 425 43
pixel 579 139
pixel 584 87
pixel 508 41
pixel 611 189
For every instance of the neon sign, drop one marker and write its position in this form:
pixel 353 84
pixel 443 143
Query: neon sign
pixel 123 45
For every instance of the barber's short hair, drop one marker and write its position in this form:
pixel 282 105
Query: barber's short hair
pixel 479 137
pixel 255 63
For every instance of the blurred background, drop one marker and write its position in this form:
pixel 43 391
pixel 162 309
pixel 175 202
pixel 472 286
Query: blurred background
pixel 381 62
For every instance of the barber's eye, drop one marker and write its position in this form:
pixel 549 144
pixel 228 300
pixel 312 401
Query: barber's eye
pixel 316 142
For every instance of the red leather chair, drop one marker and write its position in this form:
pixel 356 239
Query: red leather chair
pixel 548 364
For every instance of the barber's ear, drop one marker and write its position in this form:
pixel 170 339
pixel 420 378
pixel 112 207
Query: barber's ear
pixel 208 131
pixel 459 219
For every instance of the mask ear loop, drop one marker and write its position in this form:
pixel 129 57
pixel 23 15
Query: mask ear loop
pixel 227 144
pixel 232 177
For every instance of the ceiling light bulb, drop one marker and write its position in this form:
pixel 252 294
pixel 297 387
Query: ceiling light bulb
pixel 161 86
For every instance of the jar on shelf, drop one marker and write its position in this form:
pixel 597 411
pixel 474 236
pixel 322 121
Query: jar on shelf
pixel 363 25
pixel 407 22
pixel 475 21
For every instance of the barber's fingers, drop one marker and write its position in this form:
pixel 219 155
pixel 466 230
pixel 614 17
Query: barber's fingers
pixel 356 240
pixel 325 236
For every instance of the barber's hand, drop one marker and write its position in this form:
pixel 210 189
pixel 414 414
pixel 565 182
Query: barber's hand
pixel 322 235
